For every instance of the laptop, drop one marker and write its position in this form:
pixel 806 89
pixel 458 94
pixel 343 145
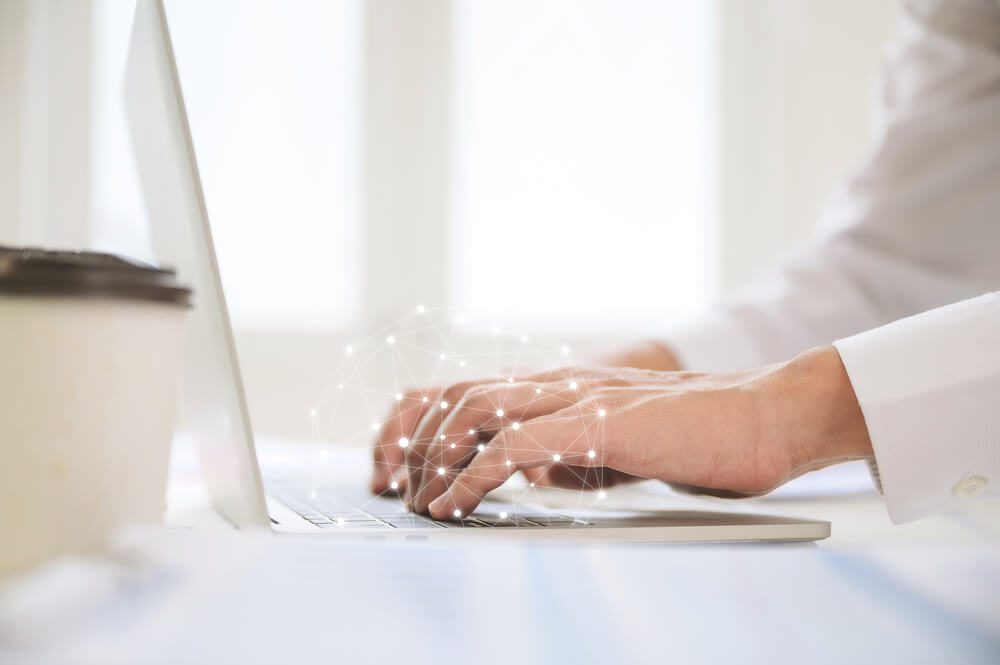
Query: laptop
pixel 214 411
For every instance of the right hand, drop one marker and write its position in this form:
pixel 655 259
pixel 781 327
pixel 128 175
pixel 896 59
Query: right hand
pixel 407 416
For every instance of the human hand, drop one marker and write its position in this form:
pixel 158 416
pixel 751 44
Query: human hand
pixel 388 474
pixel 742 433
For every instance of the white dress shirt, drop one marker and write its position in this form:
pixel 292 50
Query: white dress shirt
pixel 916 229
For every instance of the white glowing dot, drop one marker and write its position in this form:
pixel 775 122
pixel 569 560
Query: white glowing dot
pixel 556 457
pixel 399 397
pixel 376 427
pixel 340 386
pixel 442 437
pixel 524 338
pixel 509 462
pixel 394 485
pixel 441 470
pixel 510 379
pixel 565 350
pixel 349 350
pixel 496 331
pixel 572 385
pixel 515 425
pixel 404 442
pixel 312 412
pixel 472 432
pixel 591 454
pixel 532 484
pixel 461 363
pixel 503 514
pixel 421 309
pixel 499 413
pixel 390 340
pixel 457 513
pixel 424 399
pixel 443 356
pixel 481 447
pixel 340 521
pixel 312 495
pixel 453 445
pixel 538 391
pixel 602 413
pixel 602 495
pixel 444 405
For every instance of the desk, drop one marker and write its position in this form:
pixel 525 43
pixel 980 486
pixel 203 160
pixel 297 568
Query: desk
pixel 873 593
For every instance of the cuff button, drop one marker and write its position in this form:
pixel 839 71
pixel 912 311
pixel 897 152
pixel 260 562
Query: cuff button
pixel 969 487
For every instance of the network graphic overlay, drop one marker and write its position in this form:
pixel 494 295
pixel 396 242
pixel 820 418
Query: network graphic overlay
pixel 437 368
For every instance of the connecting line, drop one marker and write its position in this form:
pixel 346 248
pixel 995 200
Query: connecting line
pixel 401 340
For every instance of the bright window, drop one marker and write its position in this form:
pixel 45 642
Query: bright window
pixel 273 93
pixel 584 160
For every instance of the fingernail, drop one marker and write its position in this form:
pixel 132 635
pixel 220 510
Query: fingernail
pixel 438 507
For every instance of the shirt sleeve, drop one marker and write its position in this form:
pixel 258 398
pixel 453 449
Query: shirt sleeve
pixel 929 389
pixel 914 229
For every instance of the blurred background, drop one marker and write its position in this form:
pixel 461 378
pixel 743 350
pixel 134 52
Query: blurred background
pixel 586 170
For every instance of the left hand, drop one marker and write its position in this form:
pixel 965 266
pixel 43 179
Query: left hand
pixel 740 433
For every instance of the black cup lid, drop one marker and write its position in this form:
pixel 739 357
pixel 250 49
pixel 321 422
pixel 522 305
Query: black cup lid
pixel 33 271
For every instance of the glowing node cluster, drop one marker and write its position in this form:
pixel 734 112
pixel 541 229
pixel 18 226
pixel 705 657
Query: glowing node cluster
pixel 500 413
pixel 457 512
pixel 515 426
pixel 404 442
pixel 591 454
pixel 601 413
pixel 394 485
pixel 557 457
pixel 481 447
pixel 442 470
pixel 573 385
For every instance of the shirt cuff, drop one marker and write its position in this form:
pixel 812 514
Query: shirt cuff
pixel 927 387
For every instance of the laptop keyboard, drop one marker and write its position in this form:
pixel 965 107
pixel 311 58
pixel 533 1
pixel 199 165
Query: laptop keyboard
pixel 329 509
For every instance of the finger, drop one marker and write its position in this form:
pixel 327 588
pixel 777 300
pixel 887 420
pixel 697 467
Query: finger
pixel 388 453
pixel 426 428
pixel 562 437
pixel 480 414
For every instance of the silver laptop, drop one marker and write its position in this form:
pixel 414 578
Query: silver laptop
pixel 214 409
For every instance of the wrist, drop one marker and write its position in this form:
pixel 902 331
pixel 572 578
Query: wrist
pixel 818 414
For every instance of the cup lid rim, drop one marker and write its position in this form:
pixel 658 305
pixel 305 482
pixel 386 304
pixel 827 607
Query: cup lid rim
pixel 37 271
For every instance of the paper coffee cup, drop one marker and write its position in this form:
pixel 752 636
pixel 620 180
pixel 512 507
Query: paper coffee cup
pixel 90 357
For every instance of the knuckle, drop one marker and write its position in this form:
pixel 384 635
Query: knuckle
pixel 455 393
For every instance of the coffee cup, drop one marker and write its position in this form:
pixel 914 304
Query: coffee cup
pixel 90 358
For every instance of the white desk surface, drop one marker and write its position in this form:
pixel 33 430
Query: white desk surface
pixel 927 592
